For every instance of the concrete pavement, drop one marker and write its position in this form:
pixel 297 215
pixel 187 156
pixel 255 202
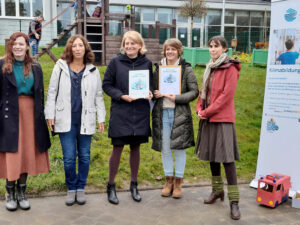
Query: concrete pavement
pixel 153 210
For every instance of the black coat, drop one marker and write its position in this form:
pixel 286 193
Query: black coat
pixel 182 135
pixel 126 118
pixel 9 111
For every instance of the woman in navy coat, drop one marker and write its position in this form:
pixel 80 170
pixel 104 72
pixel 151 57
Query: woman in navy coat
pixel 129 122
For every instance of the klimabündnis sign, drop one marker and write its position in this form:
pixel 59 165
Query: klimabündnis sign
pixel 279 148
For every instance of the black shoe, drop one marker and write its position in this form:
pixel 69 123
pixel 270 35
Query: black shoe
pixel 234 210
pixel 134 191
pixel 21 197
pixel 111 194
pixel 11 202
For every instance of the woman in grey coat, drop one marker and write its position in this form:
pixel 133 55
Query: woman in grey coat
pixel 172 119
pixel 74 99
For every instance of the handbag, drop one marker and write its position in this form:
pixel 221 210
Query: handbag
pixel 53 133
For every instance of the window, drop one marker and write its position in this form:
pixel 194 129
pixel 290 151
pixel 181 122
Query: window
pixel 181 19
pixel 229 34
pixel 148 15
pixel 145 31
pixel 116 9
pixel 24 8
pixel 10 8
pixel 196 37
pixel 183 35
pixel 37 8
pixel 257 19
pixel 137 14
pixel 165 15
pixel 229 17
pixel 213 17
pixel 197 20
pixel 213 31
pixel 115 28
pixel 242 18
pixel 21 8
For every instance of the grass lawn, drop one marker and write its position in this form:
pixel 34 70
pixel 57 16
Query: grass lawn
pixel 248 106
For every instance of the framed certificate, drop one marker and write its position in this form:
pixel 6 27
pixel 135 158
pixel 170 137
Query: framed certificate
pixel 169 81
pixel 139 83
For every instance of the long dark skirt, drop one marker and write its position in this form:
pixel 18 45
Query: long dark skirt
pixel 216 142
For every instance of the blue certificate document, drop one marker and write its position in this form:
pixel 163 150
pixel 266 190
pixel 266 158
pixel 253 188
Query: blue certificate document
pixel 139 83
pixel 170 80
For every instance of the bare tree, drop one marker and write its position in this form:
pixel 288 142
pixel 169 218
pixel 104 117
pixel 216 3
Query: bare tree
pixel 193 9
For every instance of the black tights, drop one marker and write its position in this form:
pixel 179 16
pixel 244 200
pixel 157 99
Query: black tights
pixel 229 170
pixel 21 180
pixel 114 162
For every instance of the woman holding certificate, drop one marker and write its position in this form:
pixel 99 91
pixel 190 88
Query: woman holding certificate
pixel 175 86
pixel 216 141
pixel 127 82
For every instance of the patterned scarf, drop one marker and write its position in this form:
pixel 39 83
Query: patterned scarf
pixel 210 65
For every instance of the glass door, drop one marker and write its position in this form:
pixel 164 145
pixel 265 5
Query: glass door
pixel 183 35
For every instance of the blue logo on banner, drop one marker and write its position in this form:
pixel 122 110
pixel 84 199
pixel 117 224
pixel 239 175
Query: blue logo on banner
pixel 290 15
pixel 272 126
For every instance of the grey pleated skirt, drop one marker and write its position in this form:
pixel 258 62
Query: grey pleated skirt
pixel 216 142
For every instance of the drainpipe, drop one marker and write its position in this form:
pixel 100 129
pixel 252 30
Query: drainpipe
pixel 223 19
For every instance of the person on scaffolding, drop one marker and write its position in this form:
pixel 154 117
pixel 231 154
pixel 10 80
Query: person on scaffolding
pixel 35 34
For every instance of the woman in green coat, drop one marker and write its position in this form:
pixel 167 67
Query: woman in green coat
pixel 172 119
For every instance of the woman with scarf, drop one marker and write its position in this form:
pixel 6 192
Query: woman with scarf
pixel 216 141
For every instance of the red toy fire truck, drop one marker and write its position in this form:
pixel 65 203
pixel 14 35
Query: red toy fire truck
pixel 273 189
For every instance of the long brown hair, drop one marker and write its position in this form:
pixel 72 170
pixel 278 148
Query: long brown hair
pixel 67 55
pixel 9 58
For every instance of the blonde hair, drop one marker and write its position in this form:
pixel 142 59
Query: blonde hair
pixel 137 38
pixel 175 43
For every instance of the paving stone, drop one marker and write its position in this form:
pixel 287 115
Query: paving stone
pixel 152 210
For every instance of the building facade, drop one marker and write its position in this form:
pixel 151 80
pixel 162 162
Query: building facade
pixel 248 21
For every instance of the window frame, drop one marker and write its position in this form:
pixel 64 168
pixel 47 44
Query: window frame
pixel 17 10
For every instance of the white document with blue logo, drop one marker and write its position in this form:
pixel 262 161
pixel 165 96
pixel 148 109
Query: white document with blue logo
pixel 169 80
pixel 139 83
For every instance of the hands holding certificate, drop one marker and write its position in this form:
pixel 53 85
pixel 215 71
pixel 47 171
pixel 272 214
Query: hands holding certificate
pixel 157 94
pixel 127 98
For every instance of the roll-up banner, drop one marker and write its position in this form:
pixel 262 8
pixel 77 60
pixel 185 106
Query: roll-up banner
pixel 279 147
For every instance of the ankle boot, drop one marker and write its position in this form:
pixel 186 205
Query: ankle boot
pixel 168 187
pixel 134 191
pixel 177 192
pixel 111 194
pixel 214 196
pixel 21 197
pixel 11 203
pixel 234 210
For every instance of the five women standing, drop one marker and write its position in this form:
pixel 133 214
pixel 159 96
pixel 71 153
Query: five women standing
pixel 24 136
pixel 74 98
pixel 172 119
pixel 129 122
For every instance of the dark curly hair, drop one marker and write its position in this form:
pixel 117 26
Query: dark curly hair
pixel 67 55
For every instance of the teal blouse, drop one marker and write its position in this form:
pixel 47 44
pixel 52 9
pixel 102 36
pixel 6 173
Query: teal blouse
pixel 24 85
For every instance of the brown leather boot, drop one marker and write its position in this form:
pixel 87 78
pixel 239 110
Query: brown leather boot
pixel 214 196
pixel 234 210
pixel 168 187
pixel 177 193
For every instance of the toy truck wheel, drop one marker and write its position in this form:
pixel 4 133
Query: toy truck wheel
pixel 276 204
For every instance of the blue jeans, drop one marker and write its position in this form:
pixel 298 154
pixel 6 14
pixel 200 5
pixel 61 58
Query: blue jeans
pixel 73 144
pixel 166 153
pixel 34 46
